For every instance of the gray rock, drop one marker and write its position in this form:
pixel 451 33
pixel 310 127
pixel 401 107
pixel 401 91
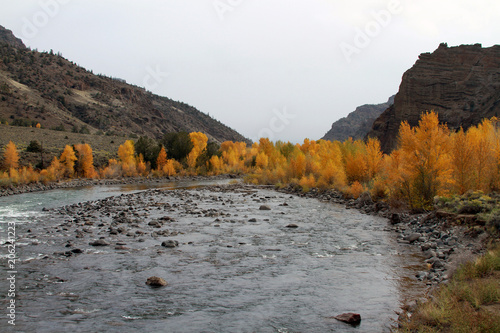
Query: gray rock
pixel 170 243
pixel 413 237
pixel 437 264
pixel 264 207
pixel 155 224
pixel 429 254
pixel 99 242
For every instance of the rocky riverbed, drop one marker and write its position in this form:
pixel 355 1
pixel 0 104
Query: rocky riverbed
pixel 230 258
pixel 445 240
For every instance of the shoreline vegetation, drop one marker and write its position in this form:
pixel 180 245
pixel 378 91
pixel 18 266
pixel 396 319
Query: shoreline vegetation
pixel 438 189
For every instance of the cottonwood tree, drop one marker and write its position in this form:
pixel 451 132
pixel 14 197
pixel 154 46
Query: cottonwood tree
pixel 10 156
pixel 67 160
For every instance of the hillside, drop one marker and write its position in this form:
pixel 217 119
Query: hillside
pixel 45 88
pixel 461 84
pixel 357 123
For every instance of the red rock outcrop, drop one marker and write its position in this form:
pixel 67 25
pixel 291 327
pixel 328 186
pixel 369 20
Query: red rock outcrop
pixel 461 84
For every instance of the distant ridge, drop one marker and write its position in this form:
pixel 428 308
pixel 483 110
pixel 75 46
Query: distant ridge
pixel 357 123
pixel 45 88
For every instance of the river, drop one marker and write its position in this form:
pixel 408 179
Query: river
pixel 237 268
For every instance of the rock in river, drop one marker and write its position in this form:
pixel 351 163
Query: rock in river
pixel 99 242
pixel 264 207
pixel 170 243
pixel 350 318
pixel 155 281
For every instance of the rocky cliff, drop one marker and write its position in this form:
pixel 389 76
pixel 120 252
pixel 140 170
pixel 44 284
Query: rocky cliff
pixel 461 84
pixel 357 123
pixel 42 87
pixel 7 37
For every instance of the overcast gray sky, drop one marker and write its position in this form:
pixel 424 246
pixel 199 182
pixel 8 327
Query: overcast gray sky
pixel 285 69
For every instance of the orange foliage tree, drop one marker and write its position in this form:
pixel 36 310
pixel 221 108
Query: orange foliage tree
pixel 67 161
pixel 128 162
pixel 462 157
pixel 199 141
pixel 425 155
pixel 10 156
pixel 161 161
pixel 85 161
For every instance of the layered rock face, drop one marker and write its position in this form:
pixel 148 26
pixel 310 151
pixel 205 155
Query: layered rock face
pixel 461 84
pixel 357 123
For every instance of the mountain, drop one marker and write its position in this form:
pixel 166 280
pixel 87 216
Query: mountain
pixel 357 123
pixel 43 87
pixel 7 37
pixel 461 84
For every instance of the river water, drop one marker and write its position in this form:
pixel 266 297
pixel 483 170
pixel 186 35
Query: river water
pixel 237 268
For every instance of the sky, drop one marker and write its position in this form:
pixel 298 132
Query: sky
pixel 282 69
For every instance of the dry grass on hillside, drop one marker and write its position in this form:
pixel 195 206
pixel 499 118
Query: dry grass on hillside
pixel 104 147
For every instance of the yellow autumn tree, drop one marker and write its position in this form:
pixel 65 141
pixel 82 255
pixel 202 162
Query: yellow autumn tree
pixel 425 154
pixel 485 164
pixel 199 141
pixel 128 162
pixel 261 161
pixel 216 165
pixel 85 160
pixel 141 166
pixel 67 160
pixel 373 158
pixel 462 156
pixel 10 156
pixel 162 159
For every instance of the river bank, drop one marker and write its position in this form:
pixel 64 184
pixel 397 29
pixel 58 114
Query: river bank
pixel 83 182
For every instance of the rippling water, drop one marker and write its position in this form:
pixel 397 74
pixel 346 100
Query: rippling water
pixel 227 275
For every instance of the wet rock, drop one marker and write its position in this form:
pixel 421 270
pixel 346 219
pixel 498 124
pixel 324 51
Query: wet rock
pixel 425 247
pixel 252 220
pixel 349 318
pixel 413 237
pixel 99 242
pixel 292 226
pixel 395 218
pixel 264 207
pixel 429 254
pixel 154 224
pixel 155 281
pixel 77 251
pixel 437 264
pixel 170 243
